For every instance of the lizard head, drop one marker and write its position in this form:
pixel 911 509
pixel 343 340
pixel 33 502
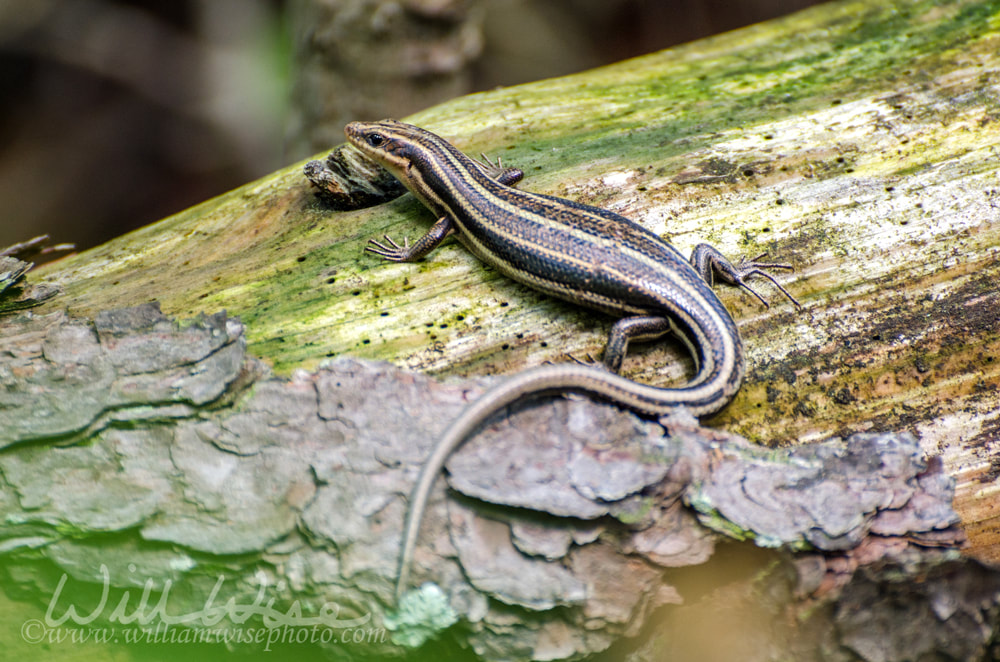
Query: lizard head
pixel 393 145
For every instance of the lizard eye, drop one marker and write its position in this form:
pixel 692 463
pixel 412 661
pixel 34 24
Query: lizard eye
pixel 375 139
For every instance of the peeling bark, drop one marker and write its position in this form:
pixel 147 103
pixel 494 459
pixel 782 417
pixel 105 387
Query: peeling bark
pixel 197 457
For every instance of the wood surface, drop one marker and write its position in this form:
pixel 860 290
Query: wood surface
pixel 857 140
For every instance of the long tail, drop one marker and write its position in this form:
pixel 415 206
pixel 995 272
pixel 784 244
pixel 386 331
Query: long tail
pixel 707 393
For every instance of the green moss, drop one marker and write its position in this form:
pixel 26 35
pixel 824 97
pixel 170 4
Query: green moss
pixel 297 275
pixel 421 615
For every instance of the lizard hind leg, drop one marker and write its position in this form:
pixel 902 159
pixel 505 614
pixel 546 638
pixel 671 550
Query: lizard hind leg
pixel 711 264
pixel 638 328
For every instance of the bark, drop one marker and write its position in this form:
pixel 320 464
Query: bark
pixel 15 292
pixel 856 141
pixel 196 456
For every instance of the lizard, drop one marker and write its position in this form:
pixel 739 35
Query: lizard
pixel 583 254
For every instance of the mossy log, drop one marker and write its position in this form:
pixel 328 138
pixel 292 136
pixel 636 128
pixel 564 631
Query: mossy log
pixel 857 141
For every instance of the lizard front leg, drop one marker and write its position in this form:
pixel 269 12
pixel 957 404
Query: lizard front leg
pixel 393 252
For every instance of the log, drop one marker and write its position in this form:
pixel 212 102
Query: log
pixel 206 466
pixel 857 141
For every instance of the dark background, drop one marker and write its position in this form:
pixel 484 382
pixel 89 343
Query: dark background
pixel 116 114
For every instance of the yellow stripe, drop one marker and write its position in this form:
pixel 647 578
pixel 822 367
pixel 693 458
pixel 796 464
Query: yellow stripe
pixel 621 392
pixel 716 337
pixel 461 179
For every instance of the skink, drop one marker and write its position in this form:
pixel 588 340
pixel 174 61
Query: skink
pixel 576 252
